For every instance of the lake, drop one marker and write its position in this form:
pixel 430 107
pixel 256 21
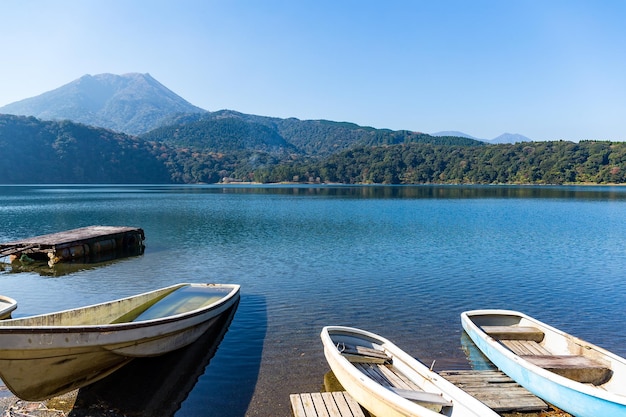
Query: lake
pixel 401 261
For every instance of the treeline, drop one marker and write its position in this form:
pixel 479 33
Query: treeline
pixel 559 162
pixel 228 130
pixel 227 134
pixel 39 152
pixel 256 149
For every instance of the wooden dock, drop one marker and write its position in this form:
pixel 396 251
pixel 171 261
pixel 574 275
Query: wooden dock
pixel 325 404
pixel 495 389
pixel 76 243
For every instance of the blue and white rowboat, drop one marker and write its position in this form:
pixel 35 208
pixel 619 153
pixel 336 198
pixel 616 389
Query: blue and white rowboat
pixel 573 375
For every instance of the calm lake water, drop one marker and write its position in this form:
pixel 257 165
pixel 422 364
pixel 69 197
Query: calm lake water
pixel 403 262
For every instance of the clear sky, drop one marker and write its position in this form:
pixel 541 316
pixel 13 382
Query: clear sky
pixel 546 69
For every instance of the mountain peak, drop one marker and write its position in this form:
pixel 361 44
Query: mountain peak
pixel 510 138
pixel 131 103
pixel 454 133
pixel 503 138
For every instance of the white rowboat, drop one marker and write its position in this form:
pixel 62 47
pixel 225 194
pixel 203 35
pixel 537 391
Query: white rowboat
pixel 388 382
pixel 7 305
pixel 575 376
pixel 46 355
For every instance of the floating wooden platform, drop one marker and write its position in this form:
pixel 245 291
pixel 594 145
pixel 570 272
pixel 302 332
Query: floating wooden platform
pixel 76 243
pixel 494 388
pixel 325 404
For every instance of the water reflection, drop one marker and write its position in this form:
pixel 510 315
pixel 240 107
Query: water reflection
pixel 153 386
pixel 227 387
pixel 43 268
pixel 475 357
pixel 420 191
pixel 594 192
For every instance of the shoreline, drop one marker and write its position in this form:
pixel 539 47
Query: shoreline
pixel 59 406
pixel 62 405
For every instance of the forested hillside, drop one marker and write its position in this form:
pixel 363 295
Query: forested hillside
pixel 317 138
pixel 34 151
pixel 559 162
pixel 211 150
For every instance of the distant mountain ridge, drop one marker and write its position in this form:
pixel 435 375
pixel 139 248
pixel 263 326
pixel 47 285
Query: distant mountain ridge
pixel 225 147
pixel 131 103
pixel 137 103
pixel 503 138
pixel 131 129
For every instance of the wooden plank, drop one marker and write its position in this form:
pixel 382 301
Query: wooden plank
pixel 76 243
pixel 307 403
pixel 525 347
pixel 357 350
pixel 393 379
pixel 575 367
pixel 355 408
pixel 12 249
pixel 331 405
pixel 389 377
pixel 496 390
pixel 514 333
pixel 344 406
pixel 74 235
pixel 320 406
pixel 422 397
pixel 297 406
pixel 398 379
pixel 369 371
pixel 325 404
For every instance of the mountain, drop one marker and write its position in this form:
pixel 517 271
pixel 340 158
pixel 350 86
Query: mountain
pixel 64 152
pixel 130 103
pixel 229 149
pixel 228 130
pixel 455 133
pixel 510 138
pixel 503 138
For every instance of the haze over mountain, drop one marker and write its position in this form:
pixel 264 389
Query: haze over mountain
pixel 503 138
pixel 136 103
pixel 131 103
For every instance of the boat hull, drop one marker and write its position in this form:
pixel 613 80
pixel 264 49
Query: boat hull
pixel 7 305
pixel 382 401
pixel 38 362
pixel 581 400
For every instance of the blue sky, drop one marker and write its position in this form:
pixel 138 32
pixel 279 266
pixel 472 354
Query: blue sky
pixel 547 69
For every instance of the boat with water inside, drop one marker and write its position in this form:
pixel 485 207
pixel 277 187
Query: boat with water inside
pixel 388 382
pixel 46 355
pixel 576 376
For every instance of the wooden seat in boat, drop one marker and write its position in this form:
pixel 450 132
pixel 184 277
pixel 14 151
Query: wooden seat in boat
pixel 422 397
pixel 524 342
pixel 356 353
pixel 575 367
pixel 514 333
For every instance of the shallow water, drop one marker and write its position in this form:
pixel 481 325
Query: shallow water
pixel 403 262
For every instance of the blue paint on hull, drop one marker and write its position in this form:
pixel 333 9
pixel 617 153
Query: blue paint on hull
pixel 575 402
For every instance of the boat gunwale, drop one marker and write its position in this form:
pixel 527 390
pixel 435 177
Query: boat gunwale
pixel 459 397
pixel 37 329
pixel 10 306
pixel 590 390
